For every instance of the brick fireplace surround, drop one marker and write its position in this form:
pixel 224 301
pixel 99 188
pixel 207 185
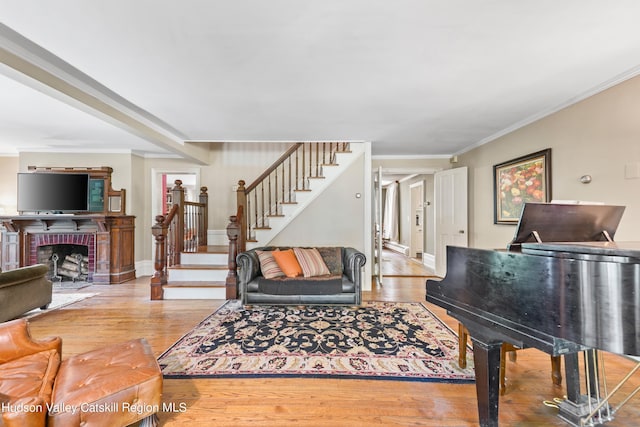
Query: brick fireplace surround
pixel 109 241
pixel 83 239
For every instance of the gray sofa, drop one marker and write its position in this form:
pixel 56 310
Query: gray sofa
pixel 22 290
pixel 347 271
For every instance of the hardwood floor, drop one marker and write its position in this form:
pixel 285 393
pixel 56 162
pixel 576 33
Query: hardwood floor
pixel 124 311
pixel 398 265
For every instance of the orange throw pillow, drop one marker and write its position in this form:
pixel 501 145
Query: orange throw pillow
pixel 287 262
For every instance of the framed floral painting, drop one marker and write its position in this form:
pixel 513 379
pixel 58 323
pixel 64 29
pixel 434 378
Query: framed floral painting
pixel 518 181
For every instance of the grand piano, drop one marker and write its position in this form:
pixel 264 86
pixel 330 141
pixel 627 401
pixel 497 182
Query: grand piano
pixel 563 286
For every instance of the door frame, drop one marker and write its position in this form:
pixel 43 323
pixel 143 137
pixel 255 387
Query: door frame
pixel 413 243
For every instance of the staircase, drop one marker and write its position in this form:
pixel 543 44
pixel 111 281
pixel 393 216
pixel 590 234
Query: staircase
pixel 296 202
pixel 201 273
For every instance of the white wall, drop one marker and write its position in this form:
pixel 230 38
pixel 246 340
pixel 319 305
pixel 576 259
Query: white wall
pixel 334 218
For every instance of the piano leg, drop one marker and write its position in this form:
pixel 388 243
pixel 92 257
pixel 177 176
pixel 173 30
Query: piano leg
pixel 577 408
pixel 556 376
pixel 486 358
pixel 572 373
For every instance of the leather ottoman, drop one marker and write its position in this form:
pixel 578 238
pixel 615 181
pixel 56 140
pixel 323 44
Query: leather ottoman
pixel 112 386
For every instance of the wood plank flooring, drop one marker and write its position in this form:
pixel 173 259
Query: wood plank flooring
pixel 398 265
pixel 124 311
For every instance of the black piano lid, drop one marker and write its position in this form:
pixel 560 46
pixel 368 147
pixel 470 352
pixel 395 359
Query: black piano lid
pixel 555 222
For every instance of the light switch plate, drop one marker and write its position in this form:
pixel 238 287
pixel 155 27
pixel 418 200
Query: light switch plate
pixel 632 170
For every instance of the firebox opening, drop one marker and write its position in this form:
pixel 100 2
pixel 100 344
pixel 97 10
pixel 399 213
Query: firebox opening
pixel 67 262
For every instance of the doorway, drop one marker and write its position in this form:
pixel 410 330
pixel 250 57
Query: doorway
pixel 403 248
pixel 163 180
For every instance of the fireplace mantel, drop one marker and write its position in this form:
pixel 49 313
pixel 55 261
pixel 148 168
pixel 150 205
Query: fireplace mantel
pixel 112 241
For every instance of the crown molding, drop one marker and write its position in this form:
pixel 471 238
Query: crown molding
pixel 633 72
pixel 411 157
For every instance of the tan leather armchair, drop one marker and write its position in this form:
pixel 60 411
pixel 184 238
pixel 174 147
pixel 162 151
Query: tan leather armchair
pixel 28 369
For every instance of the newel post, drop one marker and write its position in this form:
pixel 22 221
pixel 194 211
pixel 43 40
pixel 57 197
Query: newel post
pixel 242 221
pixel 204 226
pixel 159 278
pixel 231 282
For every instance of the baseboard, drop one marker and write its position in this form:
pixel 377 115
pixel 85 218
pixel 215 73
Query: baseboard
pixel 429 260
pixel 397 247
pixel 144 268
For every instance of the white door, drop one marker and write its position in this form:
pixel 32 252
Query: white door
pixel 450 194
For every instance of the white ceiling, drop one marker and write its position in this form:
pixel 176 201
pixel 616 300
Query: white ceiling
pixel 415 77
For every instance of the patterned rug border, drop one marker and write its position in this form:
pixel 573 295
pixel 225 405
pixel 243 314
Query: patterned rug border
pixel 385 377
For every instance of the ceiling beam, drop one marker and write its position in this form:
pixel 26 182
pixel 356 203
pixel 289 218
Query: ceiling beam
pixel 51 75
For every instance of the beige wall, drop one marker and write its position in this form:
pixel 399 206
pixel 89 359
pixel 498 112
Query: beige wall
pixel 598 136
pixel 229 163
pixel 8 185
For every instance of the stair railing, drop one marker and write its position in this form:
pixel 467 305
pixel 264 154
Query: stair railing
pixel 278 184
pixel 183 229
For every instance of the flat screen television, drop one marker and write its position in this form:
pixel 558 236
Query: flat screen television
pixel 53 192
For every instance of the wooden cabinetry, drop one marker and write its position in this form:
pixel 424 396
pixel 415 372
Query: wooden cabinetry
pixel 110 240
pixel 106 230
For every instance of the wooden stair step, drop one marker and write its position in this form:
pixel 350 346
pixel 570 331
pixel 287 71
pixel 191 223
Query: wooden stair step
pixel 215 249
pixel 198 267
pixel 211 249
pixel 195 284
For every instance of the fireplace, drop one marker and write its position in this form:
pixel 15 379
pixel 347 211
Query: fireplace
pixel 104 243
pixel 66 262
pixel 45 247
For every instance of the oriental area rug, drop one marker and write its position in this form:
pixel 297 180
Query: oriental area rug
pixel 378 340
